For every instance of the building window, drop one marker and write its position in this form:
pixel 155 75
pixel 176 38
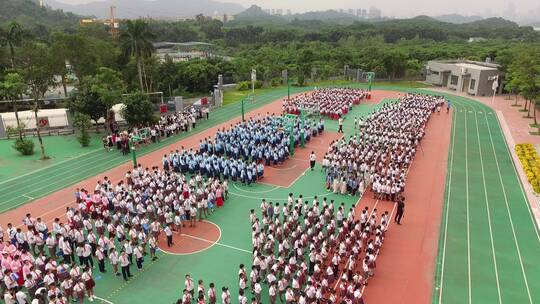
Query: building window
pixel 434 72
pixel 454 80
pixel 473 83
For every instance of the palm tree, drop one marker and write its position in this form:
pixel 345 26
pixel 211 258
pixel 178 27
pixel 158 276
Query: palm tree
pixel 136 42
pixel 12 38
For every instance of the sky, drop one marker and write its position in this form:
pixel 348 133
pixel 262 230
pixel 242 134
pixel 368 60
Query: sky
pixel 400 8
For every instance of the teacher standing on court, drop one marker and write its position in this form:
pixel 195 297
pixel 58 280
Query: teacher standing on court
pixel 312 159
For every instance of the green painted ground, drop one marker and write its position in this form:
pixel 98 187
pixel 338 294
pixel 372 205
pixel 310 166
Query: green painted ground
pixel 60 148
pixel 489 243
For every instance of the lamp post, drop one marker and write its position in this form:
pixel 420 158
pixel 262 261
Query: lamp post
pixel 243 111
pixel 302 130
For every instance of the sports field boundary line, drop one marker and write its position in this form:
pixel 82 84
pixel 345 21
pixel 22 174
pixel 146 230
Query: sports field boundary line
pixel 447 210
pixel 469 279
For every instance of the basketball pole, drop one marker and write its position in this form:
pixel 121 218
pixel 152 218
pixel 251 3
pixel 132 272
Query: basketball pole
pixel 243 110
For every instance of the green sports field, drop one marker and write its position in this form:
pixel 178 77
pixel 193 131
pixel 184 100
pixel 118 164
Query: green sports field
pixel 489 243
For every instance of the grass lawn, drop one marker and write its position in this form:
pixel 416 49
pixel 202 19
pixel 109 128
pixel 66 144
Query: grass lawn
pixel 59 148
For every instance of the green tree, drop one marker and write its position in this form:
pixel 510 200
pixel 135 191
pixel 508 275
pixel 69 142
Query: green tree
pixel 525 71
pixel 108 86
pixel 82 123
pixel 39 70
pixel 138 110
pixel 86 101
pixel 13 87
pixel 13 37
pixel 395 63
pixel 136 42
pixel 212 29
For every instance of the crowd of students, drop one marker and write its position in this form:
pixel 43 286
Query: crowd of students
pixel 262 138
pixel 312 252
pixel 330 102
pixel 381 151
pixel 116 224
pixel 168 125
pixel 239 153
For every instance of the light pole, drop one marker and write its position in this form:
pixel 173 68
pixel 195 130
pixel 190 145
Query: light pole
pixel 288 89
pixel 134 154
pixel 370 76
pixel 243 99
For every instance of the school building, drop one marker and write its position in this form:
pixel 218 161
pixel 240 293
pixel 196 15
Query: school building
pixel 471 77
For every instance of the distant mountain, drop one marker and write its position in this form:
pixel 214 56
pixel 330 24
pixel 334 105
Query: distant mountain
pixel 168 9
pixel 256 13
pixel 253 11
pixel 29 14
pixel 495 22
pixel 458 19
pixel 328 16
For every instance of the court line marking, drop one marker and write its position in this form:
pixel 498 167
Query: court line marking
pixel 48 167
pixel 200 250
pixel 487 209
pixel 103 300
pixel 283 169
pixel 256 192
pixel 298 177
pixel 216 243
pixel 468 215
pixel 447 206
pixel 509 213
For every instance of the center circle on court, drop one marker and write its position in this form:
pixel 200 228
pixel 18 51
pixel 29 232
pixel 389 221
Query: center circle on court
pixel 191 240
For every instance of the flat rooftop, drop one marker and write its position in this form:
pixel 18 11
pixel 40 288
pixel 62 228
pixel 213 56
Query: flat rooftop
pixel 475 66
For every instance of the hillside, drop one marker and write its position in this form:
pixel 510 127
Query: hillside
pixel 30 14
pixel 168 9
pixel 457 19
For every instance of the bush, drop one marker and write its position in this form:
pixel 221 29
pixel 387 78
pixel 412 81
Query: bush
pixel 24 146
pixel 301 80
pixel 246 85
pixel 530 161
pixel 242 86
pixel 83 123
pixel 276 82
pixel 84 139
